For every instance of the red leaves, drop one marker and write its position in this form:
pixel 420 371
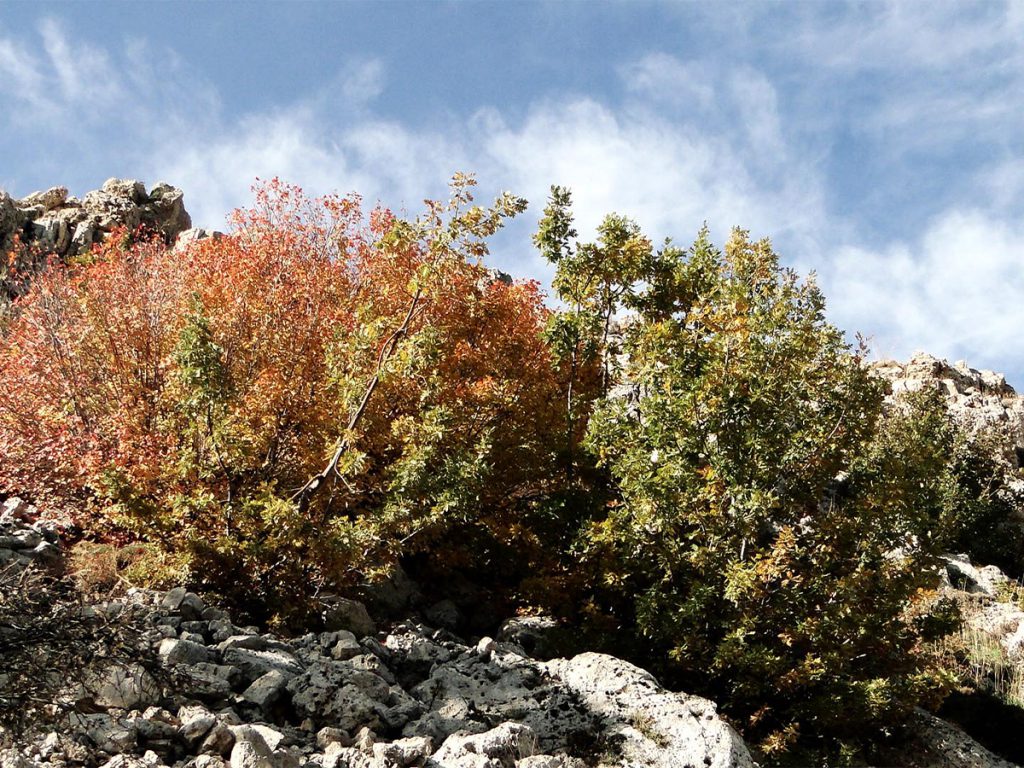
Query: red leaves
pixel 94 385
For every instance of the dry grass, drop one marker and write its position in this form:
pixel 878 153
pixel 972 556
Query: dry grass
pixel 105 570
pixel 980 661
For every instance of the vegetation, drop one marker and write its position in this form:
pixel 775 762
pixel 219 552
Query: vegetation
pixel 685 453
pixel 193 399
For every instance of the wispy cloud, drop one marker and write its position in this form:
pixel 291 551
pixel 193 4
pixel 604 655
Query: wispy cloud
pixel 675 142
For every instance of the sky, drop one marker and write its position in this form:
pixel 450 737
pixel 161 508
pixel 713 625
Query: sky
pixel 878 145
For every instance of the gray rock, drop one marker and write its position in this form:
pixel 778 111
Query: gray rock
pixel 331 735
pixel 346 646
pixel 333 692
pixel 267 689
pixel 533 634
pixel 251 750
pixel 498 747
pixel 444 614
pixel 219 741
pixel 123 687
pixel 173 599
pixel 177 651
pixel 656 727
pixel 255 664
pixel 341 613
pixel 943 745
pixel 404 752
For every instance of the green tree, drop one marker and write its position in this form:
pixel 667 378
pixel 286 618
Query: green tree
pixel 593 281
pixel 757 534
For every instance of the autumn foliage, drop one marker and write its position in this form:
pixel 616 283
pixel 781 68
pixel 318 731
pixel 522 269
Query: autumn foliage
pixel 184 396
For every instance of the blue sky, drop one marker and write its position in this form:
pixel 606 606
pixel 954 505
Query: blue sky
pixel 878 144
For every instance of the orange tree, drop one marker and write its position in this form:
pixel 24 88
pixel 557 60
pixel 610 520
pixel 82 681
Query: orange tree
pixel 292 405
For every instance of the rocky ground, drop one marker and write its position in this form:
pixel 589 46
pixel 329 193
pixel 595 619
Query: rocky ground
pixel 975 397
pixel 206 693
pixel 54 224
pixel 352 697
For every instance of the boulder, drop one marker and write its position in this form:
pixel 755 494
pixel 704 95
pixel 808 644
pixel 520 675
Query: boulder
pixel 341 613
pixel 654 727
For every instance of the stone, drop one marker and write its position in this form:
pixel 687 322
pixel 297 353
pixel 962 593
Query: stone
pixel 123 687
pixel 678 729
pixel 502 745
pixel 177 651
pixel 251 750
pixel 337 756
pixel 254 664
pixel 173 599
pixel 219 741
pixel 533 634
pixel 346 647
pixel 443 614
pixel 331 735
pixel 191 606
pixel 266 690
pixel 404 752
pixel 341 613
pixel 938 741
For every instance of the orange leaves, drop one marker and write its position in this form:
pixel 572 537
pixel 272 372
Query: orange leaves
pixel 145 377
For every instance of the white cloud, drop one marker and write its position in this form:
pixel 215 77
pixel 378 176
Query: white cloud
pixel 954 291
pixel 660 77
pixel 691 141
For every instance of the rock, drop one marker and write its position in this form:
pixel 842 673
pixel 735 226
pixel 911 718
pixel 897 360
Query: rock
pixel 657 727
pixel 191 607
pixel 267 689
pixel 393 596
pixel 173 599
pixel 175 651
pixel 123 687
pixel 945 746
pixel 254 664
pixel 988 581
pixel 335 693
pixel 346 646
pixel 444 614
pixel 404 752
pixel 337 756
pixel 54 223
pixel 499 747
pixel 251 750
pixel 533 634
pixel 193 235
pixel 330 735
pixel 219 741
pixel 341 613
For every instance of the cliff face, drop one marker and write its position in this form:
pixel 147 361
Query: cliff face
pixel 54 223
pixel 977 398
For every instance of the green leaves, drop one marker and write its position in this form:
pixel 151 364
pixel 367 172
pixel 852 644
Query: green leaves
pixel 761 575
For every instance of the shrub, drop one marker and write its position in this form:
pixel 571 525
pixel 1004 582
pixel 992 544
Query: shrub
pixel 757 533
pixel 192 398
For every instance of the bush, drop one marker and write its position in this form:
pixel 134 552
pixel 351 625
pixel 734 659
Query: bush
pixel 758 534
pixel 184 398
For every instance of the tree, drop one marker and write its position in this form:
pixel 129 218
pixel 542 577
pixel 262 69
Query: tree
pixel 593 281
pixel 188 397
pixel 755 533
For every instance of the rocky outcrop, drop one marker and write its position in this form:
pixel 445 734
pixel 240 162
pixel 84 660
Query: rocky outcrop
pixel 53 223
pixel 353 697
pixel 975 397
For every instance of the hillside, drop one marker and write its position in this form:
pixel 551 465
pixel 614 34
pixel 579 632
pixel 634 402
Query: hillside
pixel 324 490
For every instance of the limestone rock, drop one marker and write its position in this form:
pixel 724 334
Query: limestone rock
pixel 657 727
pixel 341 613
